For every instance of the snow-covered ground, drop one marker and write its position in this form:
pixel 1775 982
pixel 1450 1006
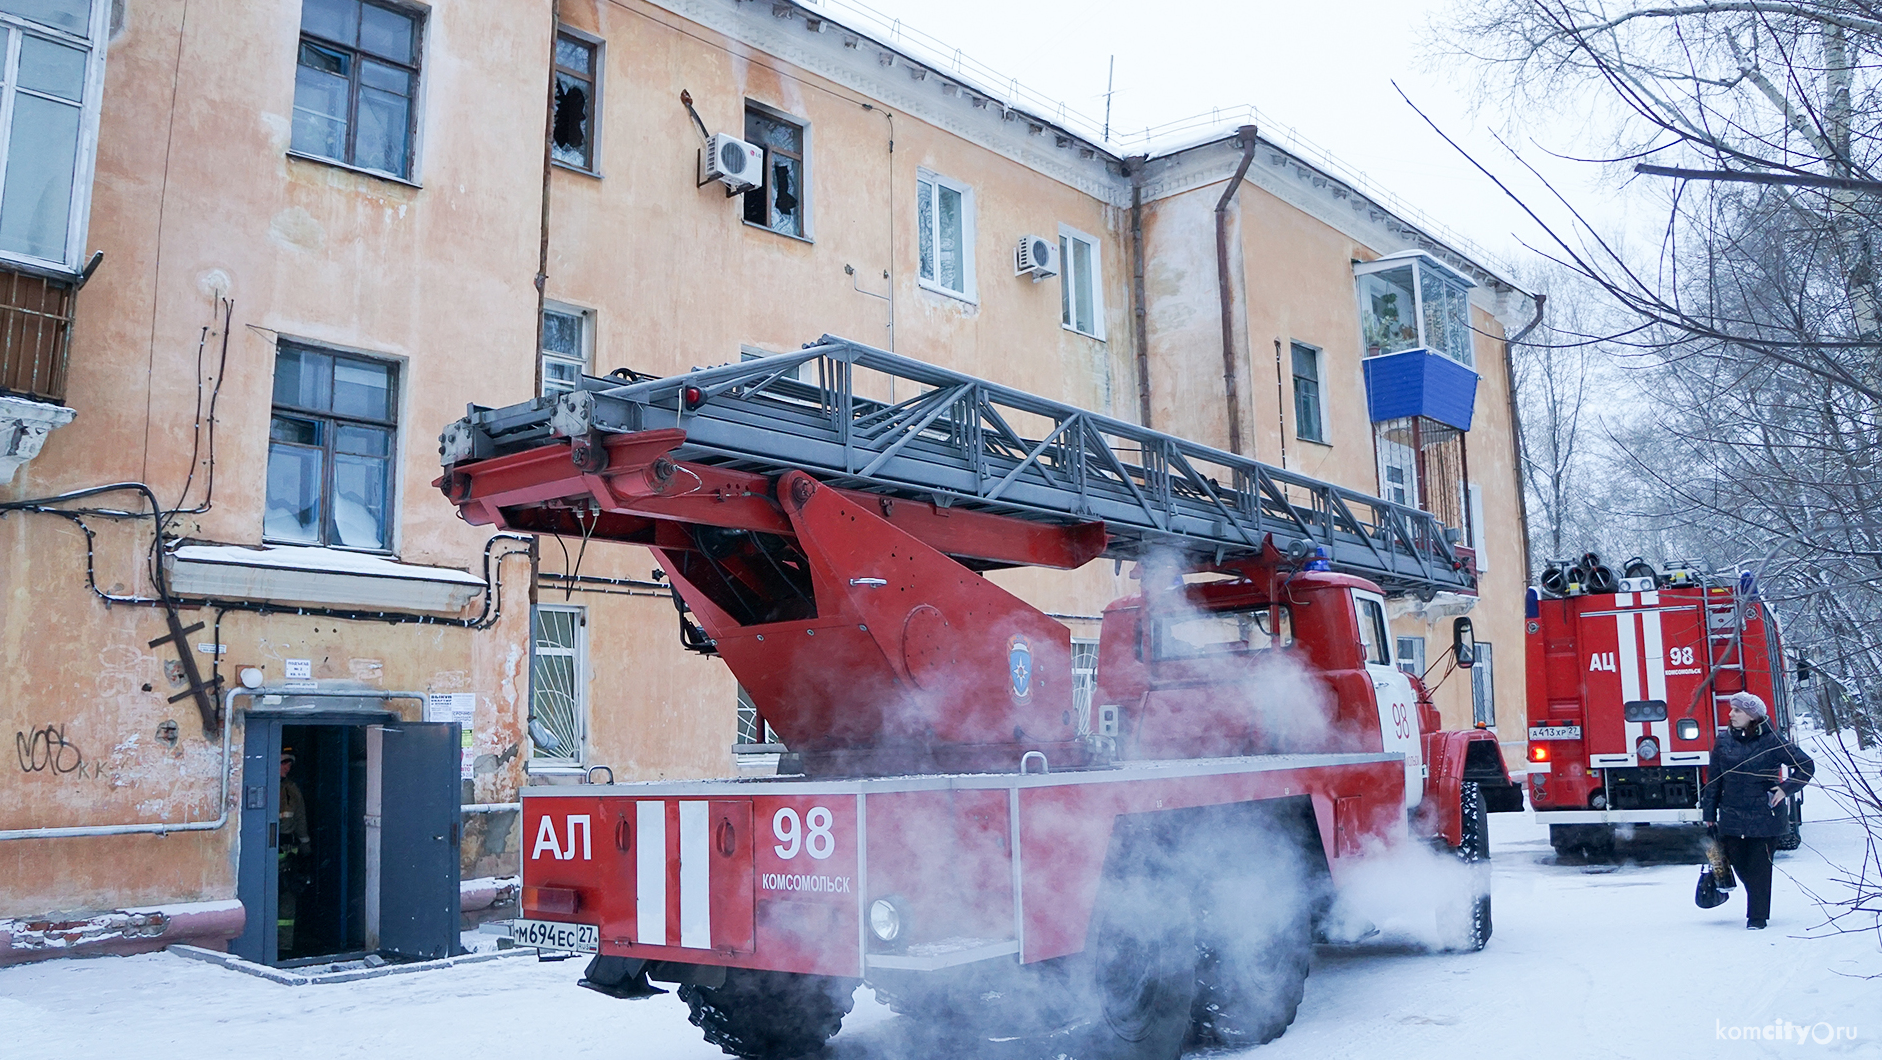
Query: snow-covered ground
pixel 1602 961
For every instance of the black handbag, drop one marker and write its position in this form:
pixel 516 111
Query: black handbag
pixel 1707 894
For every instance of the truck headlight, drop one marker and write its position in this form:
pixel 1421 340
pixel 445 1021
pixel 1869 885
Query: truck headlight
pixel 885 919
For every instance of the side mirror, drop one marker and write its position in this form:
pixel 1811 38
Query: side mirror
pixel 1463 643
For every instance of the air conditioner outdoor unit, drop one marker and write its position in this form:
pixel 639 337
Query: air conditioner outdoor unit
pixel 740 166
pixel 1037 255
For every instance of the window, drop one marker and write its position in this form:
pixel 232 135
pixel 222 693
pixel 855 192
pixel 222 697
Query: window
pixel 1411 655
pixel 567 342
pixel 1372 630
pixel 1081 291
pixel 749 723
pixel 780 203
pixel 1222 633
pixel 1398 470
pixel 1483 688
pixel 1479 539
pixel 558 699
pixel 1307 408
pixel 1410 301
pixel 944 216
pixel 355 83
pixel 1084 681
pixel 577 100
pixel 50 74
pixel 330 446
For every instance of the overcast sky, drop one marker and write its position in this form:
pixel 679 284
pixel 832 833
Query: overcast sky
pixel 1326 69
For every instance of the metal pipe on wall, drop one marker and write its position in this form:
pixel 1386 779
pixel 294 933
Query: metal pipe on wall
pixel 1246 137
pixel 228 727
pixel 1140 323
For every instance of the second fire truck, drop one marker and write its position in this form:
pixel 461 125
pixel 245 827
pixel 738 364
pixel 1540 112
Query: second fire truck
pixel 1627 676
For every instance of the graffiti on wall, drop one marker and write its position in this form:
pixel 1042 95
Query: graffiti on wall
pixel 46 750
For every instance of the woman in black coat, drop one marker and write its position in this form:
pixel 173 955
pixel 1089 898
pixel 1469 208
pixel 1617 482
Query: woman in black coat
pixel 1746 800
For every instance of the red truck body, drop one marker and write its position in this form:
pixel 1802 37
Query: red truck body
pixel 1626 697
pixel 947 812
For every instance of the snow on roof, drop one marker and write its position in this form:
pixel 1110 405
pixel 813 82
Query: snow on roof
pixel 1160 141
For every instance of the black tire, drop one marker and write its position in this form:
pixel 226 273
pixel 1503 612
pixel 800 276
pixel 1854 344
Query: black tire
pixel 1251 971
pixel 1142 971
pixel 770 1015
pixel 1592 841
pixel 1464 922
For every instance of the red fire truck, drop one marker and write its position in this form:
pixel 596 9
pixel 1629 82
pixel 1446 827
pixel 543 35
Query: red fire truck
pixel 948 824
pixel 1626 679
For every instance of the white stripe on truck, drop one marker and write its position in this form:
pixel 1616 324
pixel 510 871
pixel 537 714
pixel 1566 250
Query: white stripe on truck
pixel 650 873
pixel 695 889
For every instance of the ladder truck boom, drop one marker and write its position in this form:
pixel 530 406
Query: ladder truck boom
pixel 949 825
pixel 961 444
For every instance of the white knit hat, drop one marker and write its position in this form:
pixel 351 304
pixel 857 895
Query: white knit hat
pixel 1748 703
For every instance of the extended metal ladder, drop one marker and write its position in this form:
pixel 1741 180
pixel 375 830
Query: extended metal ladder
pixel 880 422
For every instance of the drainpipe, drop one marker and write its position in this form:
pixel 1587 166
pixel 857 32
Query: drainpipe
pixel 228 726
pixel 1139 309
pixel 1246 137
pixel 1516 425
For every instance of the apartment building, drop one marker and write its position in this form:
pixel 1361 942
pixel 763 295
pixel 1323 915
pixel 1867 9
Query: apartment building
pixel 254 256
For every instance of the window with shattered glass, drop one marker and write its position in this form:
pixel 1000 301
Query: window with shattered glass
pixel 355 83
pixel 577 101
pixel 558 715
pixel 779 203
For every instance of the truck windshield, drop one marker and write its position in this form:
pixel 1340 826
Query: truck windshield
pixel 1192 636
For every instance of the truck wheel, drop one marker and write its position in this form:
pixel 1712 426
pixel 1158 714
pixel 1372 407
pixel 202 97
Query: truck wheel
pixel 1582 840
pixel 770 1015
pixel 1251 975
pixel 1464 920
pixel 1143 972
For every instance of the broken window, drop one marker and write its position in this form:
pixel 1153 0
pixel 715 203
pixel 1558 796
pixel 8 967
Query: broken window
pixel 330 445
pixel 565 346
pixel 48 124
pixel 577 81
pixel 354 84
pixel 778 204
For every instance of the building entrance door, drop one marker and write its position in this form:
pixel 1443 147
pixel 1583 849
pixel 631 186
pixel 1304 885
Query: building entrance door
pixel 349 836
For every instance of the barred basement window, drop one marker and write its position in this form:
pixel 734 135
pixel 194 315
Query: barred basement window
pixel 1084 681
pixel 558 701
pixel 749 723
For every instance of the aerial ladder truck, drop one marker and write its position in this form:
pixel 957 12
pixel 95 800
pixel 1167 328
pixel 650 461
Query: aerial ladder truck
pixel 945 825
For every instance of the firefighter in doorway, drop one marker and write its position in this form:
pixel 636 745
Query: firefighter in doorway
pixel 1746 800
pixel 294 845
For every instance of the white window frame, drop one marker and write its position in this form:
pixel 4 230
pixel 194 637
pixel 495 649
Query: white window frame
pixel 1068 234
pixel 971 288
pixel 1419 261
pixel 768 739
pixel 1084 681
pixel 12 30
pixel 545 356
pixel 579 674
pixel 1479 539
pixel 1320 386
pixel 1407 461
pixel 1413 661
pixel 1483 686
pixel 593 169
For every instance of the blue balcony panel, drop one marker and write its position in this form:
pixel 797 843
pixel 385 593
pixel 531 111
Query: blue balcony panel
pixel 1420 383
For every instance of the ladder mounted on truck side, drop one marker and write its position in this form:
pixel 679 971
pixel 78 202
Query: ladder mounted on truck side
pixel 862 419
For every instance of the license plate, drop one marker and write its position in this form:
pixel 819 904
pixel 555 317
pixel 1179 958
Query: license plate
pixel 1555 732
pixel 552 935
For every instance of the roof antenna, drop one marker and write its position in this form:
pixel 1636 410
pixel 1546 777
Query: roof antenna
pixel 1109 80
